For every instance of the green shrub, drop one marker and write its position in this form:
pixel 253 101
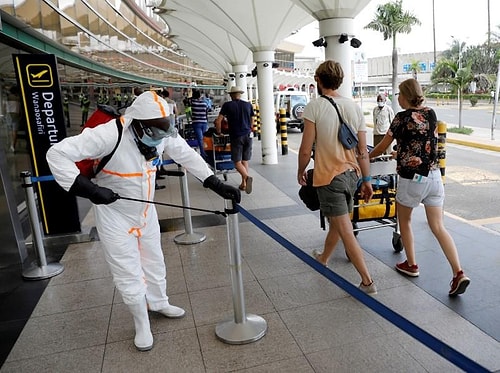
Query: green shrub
pixel 463 130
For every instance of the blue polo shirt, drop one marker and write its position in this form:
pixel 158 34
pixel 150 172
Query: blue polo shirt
pixel 239 115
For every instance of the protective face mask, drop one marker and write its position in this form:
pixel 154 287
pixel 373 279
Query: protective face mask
pixel 149 141
pixel 381 104
pixel 153 136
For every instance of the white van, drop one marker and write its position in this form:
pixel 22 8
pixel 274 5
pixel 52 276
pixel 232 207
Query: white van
pixel 294 102
pixel 387 91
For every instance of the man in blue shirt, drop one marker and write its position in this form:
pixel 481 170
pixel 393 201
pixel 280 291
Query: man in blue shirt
pixel 199 119
pixel 240 118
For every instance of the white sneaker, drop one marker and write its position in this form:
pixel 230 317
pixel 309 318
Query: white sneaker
pixel 368 289
pixel 12 149
pixel 172 312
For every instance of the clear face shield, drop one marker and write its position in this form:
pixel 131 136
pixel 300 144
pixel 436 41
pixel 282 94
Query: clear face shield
pixel 152 136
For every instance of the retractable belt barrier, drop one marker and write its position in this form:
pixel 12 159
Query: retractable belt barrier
pixel 43 270
pixel 446 351
pixel 249 328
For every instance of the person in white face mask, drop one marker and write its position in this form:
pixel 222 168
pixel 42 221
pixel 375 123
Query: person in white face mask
pixel 129 230
pixel 382 119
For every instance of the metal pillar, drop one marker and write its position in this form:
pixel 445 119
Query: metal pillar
pixel 189 237
pixel 244 328
pixel 43 270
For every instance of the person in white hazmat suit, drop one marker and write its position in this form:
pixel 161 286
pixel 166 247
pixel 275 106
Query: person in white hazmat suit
pixel 129 230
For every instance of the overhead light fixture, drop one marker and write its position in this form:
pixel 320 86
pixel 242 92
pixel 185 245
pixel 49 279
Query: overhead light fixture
pixel 343 38
pixel 321 42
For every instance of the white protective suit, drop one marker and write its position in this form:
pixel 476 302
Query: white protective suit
pixel 128 230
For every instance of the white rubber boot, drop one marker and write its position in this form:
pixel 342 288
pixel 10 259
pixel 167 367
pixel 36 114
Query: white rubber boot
pixel 172 312
pixel 143 337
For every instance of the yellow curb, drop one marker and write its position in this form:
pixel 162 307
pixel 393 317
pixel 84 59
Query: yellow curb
pixel 495 148
pixel 472 144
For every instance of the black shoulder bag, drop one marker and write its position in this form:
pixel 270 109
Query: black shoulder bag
pixel 347 136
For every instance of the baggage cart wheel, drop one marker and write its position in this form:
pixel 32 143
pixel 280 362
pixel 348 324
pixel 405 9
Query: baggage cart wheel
pixel 397 243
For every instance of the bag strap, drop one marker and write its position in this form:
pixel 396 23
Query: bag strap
pixel 106 158
pixel 336 108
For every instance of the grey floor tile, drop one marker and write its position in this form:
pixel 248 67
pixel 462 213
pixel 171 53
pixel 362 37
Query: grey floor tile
pixel 213 306
pixel 330 324
pixel 277 345
pixel 74 361
pixel 75 296
pixel 81 270
pixel 173 351
pixel 301 289
pixel 275 264
pixel 466 338
pixel 296 365
pixel 62 332
pixel 432 361
pixel 176 283
pixel 212 272
pixel 380 354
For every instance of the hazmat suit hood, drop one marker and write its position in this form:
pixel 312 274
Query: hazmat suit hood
pixel 147 105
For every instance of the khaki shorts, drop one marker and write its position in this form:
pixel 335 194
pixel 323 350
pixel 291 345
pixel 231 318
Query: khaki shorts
pixel 431 192
pixel 336 199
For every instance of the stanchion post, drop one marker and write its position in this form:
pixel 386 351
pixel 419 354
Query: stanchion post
pixel 257 112
pixel 442 128
pixel 283 132
pixel 189 237
pixel 43 270
pixel 256 118
pixel 244 328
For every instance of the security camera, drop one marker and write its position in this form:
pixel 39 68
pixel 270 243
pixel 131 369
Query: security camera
pixel 343 38
pixel 355 43
pixel 321 42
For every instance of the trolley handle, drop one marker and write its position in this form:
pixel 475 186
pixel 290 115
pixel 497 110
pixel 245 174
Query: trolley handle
pixel 382 157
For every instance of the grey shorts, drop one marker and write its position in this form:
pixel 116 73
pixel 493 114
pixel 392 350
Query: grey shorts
pixel 241 148
pixel 336 199
pixel 431 192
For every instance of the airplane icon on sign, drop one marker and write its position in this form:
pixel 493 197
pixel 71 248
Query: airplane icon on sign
pixel 39 75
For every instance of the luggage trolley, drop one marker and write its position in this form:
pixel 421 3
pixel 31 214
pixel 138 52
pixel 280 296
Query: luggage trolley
pixel 218 150
pixel 186 130
pixel 381 210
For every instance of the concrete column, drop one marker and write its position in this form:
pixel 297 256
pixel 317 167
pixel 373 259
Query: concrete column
pixel 231 81
pixel 264 61
pixel 250 92
pixel 331 29
pixel 240 72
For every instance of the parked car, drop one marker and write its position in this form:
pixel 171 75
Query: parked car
pixel 294 103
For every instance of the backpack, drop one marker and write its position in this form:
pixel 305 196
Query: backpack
pixel 307 193
pixel 104 113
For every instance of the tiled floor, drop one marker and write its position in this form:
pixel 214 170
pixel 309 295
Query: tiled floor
pixel 80 323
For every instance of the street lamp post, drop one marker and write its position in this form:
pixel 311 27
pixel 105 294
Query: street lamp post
pixel 459 92
pixel 459 51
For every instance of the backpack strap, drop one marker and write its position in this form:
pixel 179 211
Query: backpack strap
pixel 106 158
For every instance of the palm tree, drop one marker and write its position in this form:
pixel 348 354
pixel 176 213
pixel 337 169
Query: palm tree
pixel 390 20
pixel 449 72
pixel 415 68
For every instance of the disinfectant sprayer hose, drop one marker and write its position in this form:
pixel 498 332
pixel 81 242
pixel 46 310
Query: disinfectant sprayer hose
pixel 171 205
